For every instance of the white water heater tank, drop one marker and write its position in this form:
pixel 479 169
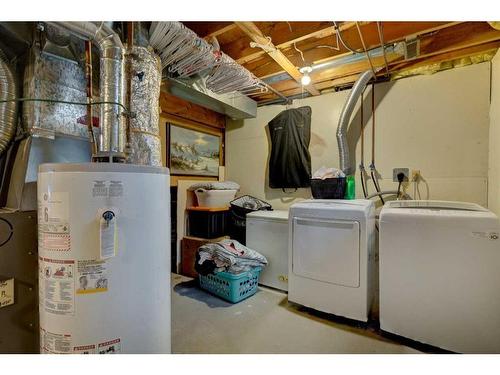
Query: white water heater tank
pixel 104 258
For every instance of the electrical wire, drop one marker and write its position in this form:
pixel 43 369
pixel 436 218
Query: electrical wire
pixel 294 45
pixel 390 192
pixel 331 47
pixel 339 33
pixel 299 51
pixel 381 36
pixel 63 102
pixel 399 190
pixel 377 187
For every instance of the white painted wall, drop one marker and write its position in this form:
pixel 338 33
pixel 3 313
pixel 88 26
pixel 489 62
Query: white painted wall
pixel 437 124
pixel 494 156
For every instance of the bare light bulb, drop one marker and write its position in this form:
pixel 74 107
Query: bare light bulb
pixel 305 80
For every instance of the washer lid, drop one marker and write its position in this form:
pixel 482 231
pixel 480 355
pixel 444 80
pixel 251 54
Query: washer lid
pixel 357 209
pixel 334 203
pixel 437 205
pixel 279 215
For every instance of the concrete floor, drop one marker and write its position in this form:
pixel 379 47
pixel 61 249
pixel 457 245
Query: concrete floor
pixel 264 323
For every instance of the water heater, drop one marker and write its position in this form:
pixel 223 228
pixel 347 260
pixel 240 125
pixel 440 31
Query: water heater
pixel 104 258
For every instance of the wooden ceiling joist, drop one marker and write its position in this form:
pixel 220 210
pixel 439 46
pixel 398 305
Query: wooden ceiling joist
pixel 279 60
pixel 250 29
pixel 448 56
pixel 454 42
pixel 313 53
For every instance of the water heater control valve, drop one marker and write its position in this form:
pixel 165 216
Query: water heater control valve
pixel 108 216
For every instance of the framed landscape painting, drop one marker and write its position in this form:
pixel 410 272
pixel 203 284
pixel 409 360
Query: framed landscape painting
pixel 192 152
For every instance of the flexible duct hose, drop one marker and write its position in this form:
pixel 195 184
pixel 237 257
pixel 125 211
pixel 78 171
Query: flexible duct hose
pixel 345 116
pixel 8 111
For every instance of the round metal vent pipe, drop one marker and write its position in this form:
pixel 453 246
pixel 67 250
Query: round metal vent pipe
pixel 112 84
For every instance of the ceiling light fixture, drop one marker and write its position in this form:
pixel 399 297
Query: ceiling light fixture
pixel 306 78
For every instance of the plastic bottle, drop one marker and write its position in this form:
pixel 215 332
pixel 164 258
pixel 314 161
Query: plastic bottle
pixel 350 189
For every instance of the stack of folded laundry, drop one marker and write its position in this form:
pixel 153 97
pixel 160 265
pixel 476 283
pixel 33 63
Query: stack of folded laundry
pixel 227 255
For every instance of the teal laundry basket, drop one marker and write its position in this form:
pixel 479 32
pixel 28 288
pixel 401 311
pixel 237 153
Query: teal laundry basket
pixel 231 287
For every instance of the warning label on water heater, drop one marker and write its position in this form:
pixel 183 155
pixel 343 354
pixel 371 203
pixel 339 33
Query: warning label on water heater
pixel 84 349
pixel 56 343
pixel 110 347
pixel 57 286
pixel 92 276
pixel 53 221
pixel 6 292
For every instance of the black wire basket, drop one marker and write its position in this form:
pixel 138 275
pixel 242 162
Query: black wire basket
pixel 329 188
pixel 240 207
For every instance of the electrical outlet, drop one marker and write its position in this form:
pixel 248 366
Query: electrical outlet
pixel 396 171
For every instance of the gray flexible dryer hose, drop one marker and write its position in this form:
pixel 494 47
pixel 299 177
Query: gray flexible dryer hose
pixel 345 162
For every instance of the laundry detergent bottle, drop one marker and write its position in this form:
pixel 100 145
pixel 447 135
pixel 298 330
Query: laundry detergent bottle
pixel 350 188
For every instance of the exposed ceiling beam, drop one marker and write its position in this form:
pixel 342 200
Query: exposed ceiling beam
pixel 279 32
pixel 345 77
pixel 460 36
pixel 340 71
pixel 256 35
pixel 316 30
pixel 448 56
pixel 313 53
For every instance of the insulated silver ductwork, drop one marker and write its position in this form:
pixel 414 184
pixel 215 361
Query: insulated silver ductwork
pixel 345 116
pixel 8 110
pixel 112 140
pixel 145 69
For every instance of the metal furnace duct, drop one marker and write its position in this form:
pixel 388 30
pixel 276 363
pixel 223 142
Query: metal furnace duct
pixel 144 132
pixel 112 140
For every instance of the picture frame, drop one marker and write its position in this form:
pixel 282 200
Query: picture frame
pixel 193 151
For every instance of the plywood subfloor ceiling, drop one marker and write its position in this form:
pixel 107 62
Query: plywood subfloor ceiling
pixel 285 47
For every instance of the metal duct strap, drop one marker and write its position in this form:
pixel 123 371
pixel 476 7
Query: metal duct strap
pixel 8 110
pixel 345 116
pixel 145 71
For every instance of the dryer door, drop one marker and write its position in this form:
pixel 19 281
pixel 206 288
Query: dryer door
pixel 326 250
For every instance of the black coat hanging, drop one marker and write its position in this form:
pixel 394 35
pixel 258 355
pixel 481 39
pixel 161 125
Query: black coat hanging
pixel 290 161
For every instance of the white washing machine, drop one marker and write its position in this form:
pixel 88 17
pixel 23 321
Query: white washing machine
pixel 440 274
pixel 267 233
pixel 332 256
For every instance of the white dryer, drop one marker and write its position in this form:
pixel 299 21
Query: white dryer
pixel 331 256
pixel 440 274
pixel 267 233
